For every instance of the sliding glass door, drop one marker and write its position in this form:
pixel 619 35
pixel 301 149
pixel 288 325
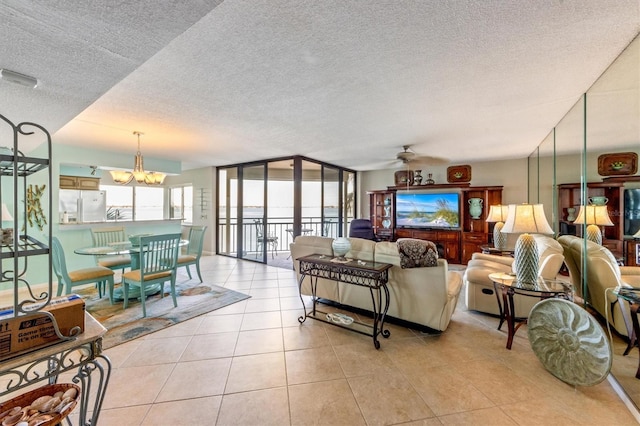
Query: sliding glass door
pixel 263 206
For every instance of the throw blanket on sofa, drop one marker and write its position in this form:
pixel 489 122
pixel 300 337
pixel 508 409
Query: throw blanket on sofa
pixel 417 253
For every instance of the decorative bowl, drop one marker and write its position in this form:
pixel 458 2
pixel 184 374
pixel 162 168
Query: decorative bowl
pixel 617 165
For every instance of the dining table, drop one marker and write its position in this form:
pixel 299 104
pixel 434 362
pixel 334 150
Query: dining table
pixel 121 248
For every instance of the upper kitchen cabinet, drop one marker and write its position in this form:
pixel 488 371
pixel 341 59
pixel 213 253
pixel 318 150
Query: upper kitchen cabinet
pixel 79 182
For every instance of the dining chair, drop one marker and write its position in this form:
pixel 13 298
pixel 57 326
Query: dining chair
pixel 262 238
pixel 106 236
pixel 158 256
pixel 194 250
pixel 68 279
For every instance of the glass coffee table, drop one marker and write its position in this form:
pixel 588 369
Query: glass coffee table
pixel 506 285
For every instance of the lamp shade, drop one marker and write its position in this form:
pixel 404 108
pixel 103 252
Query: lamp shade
pixel 526 218
pixel 498 213
pixel 593 215
pixel 6 215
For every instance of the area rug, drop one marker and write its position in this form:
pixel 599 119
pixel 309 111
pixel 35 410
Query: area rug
pixel 127 324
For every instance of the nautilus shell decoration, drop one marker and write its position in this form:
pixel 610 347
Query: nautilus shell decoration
pixel 569 342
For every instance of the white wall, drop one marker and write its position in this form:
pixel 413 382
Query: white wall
pixel 204 202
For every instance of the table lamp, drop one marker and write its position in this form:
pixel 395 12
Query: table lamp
pixel 526 219
pixel 498 214
pixel 594 216
pixel 6 233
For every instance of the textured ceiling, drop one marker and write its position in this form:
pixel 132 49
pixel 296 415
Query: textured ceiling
pixel 348 82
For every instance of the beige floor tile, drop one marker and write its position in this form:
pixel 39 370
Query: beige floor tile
pixel 261 320
pixel 548 411
pixel 185 328
pixel 288 282
pixel 263 305
pixel 125 391
pixel 388 399
pixel 291 291
pixel 262 407
pixel 292 302
pixel 433 421
pixel 259 341
pixel 195 379
pixel 290 318
pixel 254 372
pixel 265 283
pixel 197 411
pixel 208 346
pixel 413 355
pixel 119 354
pixel 235 308
pixel 303 337
pixel 220 323
pixel 325 403
pixel 120 416
pixel 264 293
pixel 362 358
pixel 312 365
pixel 487 416
pixel 157 351
pixel 497 381
pixel 446 391
pixel 242 286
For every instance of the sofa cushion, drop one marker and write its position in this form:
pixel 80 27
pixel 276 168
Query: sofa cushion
pixel 417 253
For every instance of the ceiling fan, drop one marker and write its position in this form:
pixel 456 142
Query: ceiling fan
pixel 414 161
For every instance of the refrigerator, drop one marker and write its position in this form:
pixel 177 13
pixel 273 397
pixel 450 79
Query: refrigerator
pixel 83 206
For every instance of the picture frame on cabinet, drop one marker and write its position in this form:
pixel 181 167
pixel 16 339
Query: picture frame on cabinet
pixel 404 177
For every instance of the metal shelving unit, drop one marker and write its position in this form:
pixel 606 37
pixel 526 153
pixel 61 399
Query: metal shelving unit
pixel 77 351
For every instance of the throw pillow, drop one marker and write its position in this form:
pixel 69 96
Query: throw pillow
pixel 417 253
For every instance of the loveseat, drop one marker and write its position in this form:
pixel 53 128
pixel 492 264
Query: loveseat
pixel 480 290
pixel 426 296
pixel 603 273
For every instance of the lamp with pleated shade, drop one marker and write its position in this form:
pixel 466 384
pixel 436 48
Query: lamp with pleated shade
pixel 498 214
pixel 526 219
pixel 595 217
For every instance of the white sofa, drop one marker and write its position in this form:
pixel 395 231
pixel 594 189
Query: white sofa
pixel 480 290
pixel 426 296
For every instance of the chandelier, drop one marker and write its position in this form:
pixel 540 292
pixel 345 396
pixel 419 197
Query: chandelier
pixel 150 178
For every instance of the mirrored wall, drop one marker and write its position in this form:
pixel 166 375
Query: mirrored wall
pixel 592 156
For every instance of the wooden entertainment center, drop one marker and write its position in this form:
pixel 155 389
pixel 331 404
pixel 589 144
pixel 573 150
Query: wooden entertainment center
pixel 457 244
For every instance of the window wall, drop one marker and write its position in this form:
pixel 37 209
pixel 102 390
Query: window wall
pixel 263 206
pixel 134 202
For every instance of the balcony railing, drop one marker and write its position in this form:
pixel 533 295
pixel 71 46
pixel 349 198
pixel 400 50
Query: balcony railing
pixel 278 229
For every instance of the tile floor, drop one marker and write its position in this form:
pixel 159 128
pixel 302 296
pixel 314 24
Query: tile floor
pixel 251 363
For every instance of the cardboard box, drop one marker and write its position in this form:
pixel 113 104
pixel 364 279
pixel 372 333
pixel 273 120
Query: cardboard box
pixel 31 331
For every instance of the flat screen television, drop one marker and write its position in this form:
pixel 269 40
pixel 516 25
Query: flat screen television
pixel 416 209
pixel 631 211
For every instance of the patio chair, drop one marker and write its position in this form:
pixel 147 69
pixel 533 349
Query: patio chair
pixel 158 256
pixel 105 237
pixel 68 279
pixel 268 239
pixel 194 250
